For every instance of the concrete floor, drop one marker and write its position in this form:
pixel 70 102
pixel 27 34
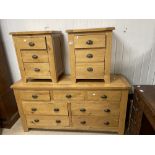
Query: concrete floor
pixel 18 130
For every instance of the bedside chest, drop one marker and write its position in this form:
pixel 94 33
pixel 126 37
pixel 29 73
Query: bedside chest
pixel 90 53
pixel 39 54
pixel 87 106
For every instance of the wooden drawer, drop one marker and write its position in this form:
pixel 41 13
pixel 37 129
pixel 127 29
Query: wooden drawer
pixel 34 56
pixel 95 108
pixel 35 95
pixel 89 41
pixel 104 95
pixel 68 95
pixel 31 42
pixel 44 108
pixel 90 55
pixel 34 121
pixel 94 121
pixel 37 70
pixel 90 70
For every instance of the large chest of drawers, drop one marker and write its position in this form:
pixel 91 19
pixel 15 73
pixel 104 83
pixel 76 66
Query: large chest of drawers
pixel 90 53
pixel 39 54
pixel 87 106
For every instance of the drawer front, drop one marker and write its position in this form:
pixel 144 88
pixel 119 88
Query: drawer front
pixel 35 95
pixel 104 95
pixel 95 108
pixel 89 41
pixel 68 95
pixel 34 56
pixel 34 121
pixel 43 108
pixel 31 42
pixel 90 55
pixel 90 70
pixel 37 70
pixel 94 121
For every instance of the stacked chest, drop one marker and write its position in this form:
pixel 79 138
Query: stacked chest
pixel 90 53
pixel 39 54
pixel 71 108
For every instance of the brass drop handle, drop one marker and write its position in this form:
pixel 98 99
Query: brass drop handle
pixel 82 109
pixel 134 108
pixel 34 109
pixel 34 96
pixel 68 96
pixel 34 56
pixel 83 122
pixel 89 55
pixel 89 42
pixel 56 109
pixel 106 123
pixel 36 120
pixel 90 69
pixel 36 69
pixel 31 44
pixel 104 96
pixel 106 110
pixel 58 121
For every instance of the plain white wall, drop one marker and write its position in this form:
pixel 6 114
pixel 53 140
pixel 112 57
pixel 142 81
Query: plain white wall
pixel 133 51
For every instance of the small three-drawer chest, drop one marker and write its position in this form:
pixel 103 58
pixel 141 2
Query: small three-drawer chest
pixel 39 54
pixel 90 53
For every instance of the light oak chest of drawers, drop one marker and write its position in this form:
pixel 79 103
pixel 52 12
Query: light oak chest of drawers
pixel 87 106
pixel 90 53
pixel 39 54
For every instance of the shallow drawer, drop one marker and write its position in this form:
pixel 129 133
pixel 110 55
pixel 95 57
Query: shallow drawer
pixel 95 108
pixel 89 41
pixel 90 55
pixel 68 95
pixel 37 70
pixel 104 95
pixel 90 70
pixel 34 121
pixel 43 108
pixel 35 95
pixel 94 121
pixel 31 42
pixel 34 56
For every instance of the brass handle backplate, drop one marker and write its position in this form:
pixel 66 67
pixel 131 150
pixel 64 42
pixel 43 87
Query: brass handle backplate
pixel 89 55
pixel 68 96
pixel 34 56
pixel 90 69
pixel 34 96
pixel 89 42
pixel 31 44
pixel 36 69
pixel 104 96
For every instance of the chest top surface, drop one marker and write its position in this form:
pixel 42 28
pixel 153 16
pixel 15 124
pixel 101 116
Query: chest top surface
pixel 117 82
pixel 90 30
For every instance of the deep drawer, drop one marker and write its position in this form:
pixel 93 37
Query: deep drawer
pixel 44 108
pixel 95 108
pixel 34 121
pixel 94 122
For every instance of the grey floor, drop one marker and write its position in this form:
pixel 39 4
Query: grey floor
pixel 18 130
